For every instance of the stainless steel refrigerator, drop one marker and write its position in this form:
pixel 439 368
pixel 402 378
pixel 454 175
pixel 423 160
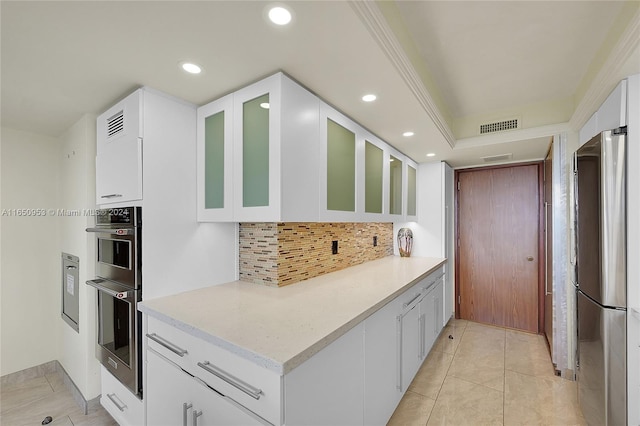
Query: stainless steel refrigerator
pixel 602 278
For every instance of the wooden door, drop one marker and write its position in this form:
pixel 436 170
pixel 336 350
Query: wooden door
pixel 498 254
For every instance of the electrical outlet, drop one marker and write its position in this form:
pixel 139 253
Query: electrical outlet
pixel 375 241
pixel 334 247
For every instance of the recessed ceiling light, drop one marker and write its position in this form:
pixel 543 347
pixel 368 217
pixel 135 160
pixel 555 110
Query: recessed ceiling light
pixel 407 134
pixel 431 154
pixel 279 15
pixel 369 98
pixel 264 105
pixel 191 68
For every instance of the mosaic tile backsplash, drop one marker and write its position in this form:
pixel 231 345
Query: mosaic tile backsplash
pixel 278 254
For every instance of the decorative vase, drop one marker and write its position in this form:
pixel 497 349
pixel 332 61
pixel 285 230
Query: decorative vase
pixel 405 241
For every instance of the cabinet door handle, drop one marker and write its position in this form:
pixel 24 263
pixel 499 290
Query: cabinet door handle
pixel 196 414
pixel 422 339
pixel 167 344
pixel 111 196
pixel 114 398
pixel 185 408
pixel 399 352
pixel 232 380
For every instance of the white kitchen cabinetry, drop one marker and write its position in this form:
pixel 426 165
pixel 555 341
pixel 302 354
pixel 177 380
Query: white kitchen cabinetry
pixel 328 389
pixel 257 150
pixel 410 324
pixel 119 151
pixel 274 152
pixel 248 388
pixel 381 392
pixel 175 397
pixel 434 229
pixel 123 405
pixel 431 311
pixel 359 378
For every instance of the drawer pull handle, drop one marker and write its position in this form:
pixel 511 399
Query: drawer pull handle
pixel 185 408
pixel 411 301
pixel 111 196
pixel 232 380
pixel 173 348
pixel 113 398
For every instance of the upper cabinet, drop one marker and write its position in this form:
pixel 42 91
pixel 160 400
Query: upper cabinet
pixel 119 151
pixel 273 151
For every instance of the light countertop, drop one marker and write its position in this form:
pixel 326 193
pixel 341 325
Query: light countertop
pixel 280 328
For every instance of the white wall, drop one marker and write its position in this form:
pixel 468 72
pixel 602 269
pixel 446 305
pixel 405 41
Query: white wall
pixel 77 194
pixel 179 254
pixel 30 261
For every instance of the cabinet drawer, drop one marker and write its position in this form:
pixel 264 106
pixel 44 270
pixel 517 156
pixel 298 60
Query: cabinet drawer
pixel 252 386
pixel 123 406
pixel 175 345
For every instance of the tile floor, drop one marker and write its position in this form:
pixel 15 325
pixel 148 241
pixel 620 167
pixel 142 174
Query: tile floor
pixel 29 402
pixel 488 376
pixel 484 375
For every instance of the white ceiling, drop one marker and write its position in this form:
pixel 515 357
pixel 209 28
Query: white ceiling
pixel 60 60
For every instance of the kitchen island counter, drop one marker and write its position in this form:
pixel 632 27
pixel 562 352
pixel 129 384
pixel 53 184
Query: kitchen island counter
pixel 280 328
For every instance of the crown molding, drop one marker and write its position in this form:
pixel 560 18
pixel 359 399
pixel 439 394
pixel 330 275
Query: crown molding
pixel 608 75
pixel 374 21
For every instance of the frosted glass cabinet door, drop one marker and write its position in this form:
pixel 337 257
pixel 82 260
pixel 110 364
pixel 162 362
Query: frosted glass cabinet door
pixel 395 186
pixel 341 167
pixel 256 142
pixel 373 178
pixel 215 152
pixel 255 152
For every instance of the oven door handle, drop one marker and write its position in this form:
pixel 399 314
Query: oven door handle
pixel 122 231
pixel 107 290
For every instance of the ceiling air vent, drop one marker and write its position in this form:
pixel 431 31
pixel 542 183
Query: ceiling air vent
pixel 115 124
pixel 494 158
pixel 499 126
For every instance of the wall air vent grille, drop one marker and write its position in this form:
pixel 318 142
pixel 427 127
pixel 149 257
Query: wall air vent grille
pixel 115 124
pixel 499 126
pixel 494 158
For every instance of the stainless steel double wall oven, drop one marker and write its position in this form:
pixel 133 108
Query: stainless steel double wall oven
pixel 119 283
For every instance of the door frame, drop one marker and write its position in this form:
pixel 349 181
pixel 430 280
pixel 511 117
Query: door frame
pixel 541 244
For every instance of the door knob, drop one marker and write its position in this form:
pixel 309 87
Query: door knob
pixel 530 258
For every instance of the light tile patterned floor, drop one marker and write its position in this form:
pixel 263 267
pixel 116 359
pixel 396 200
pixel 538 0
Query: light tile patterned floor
pixel 488 376
pixel 483 376
pixel 29 402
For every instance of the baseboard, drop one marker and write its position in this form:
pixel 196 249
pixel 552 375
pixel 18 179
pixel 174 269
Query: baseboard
pixel 29 373
pixel 51 367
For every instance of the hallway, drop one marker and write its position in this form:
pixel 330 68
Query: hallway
pixel 490 376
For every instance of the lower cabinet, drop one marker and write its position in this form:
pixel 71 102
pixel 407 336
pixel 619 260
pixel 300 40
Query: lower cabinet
pixel 358 379
pixel 123 405
pixel 381 364
pixel 328 389
pixel 174 397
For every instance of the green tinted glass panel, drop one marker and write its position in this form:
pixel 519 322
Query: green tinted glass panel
pixel 373 178
pixel 411 188
pixel 395 186
pixel 214 161
pixel 341 168
pixel 255 152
